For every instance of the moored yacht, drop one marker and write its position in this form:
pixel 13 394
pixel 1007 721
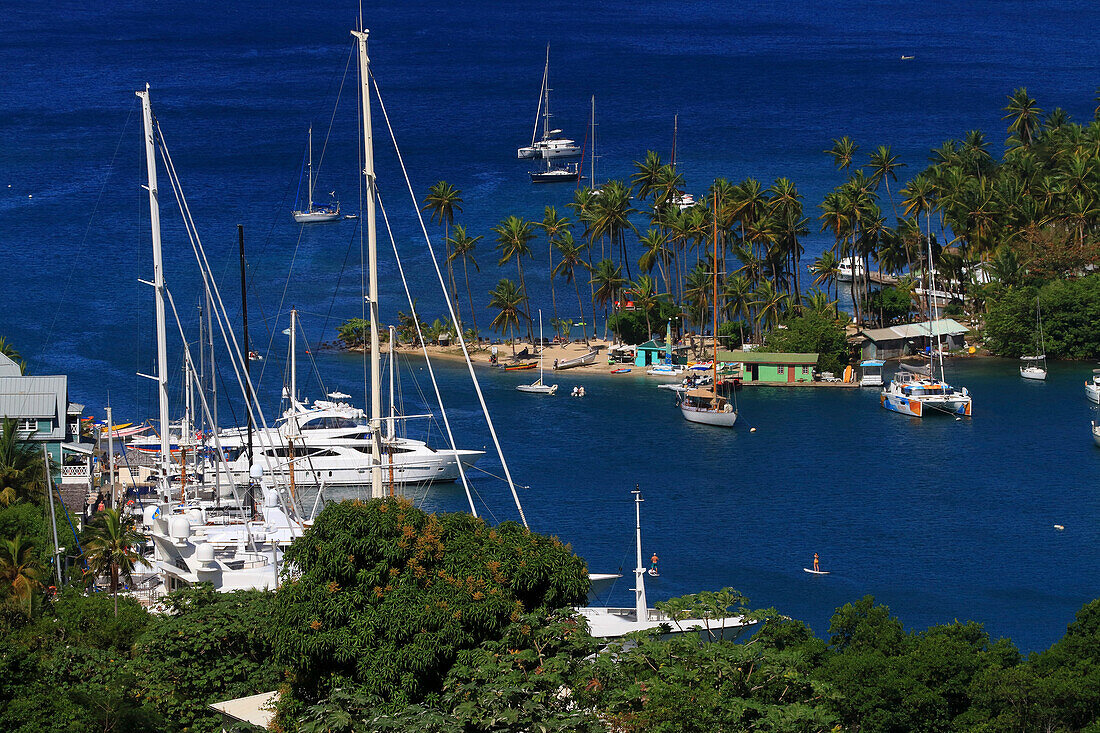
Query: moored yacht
pixel 915 392
pixel 1092 386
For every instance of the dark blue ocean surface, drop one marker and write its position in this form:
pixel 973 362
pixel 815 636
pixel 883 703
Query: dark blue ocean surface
pixel 940 519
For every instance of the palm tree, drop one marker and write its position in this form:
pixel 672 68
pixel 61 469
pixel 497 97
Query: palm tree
pixel 655 244
pixel 611 218
pixel 646 175
pixel 514 237
pixel 884 165
pixel 843 152
pixel 826 270
pixel 737 292
pixel 608 280
pixel 697 291
pixel 770 303
pixel 22 468
pixel 818 302
pixel 1025 116
pixel 569 253
pixel 9 350
pixel 111 548
pixel 508 301
pixel 20 569
pixel 584 205
pixel 442 201
pixel 462 247
pixel 553 225
pixel 646 299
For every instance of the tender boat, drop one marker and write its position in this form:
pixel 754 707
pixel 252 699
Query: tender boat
pixel 849 268
pixel 1096 432
pixel 915 392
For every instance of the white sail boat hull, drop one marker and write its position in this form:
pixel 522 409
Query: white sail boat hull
pixel 708 416
pixel 316 216
pixel 1033 372
pixel 547 389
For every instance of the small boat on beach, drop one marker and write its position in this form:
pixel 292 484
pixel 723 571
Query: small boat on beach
pixel 522 366
pixel 585 360
pixel 620 371
pixel 537 387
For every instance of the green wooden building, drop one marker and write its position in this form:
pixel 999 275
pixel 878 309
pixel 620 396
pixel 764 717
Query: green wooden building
pixel 760 366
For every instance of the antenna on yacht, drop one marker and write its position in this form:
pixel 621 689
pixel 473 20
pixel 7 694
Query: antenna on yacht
pixel 158 286
pixel 641 608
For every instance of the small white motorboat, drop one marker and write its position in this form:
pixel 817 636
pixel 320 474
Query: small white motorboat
pixel 1092 387
pixel 1096 432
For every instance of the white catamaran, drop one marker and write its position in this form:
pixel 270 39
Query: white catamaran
pixel 550 145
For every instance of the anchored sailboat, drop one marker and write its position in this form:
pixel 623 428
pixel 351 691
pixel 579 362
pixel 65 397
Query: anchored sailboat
pixel 313 212
pixel 704 405
pixel 538 387
pixel 550 145
pixel 1035 367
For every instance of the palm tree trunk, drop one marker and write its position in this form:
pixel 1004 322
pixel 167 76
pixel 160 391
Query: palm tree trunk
pixel 553 295
pixel 591 288
pixel 577 288
pixel 114 585
pixel 469 297
pixel 526 298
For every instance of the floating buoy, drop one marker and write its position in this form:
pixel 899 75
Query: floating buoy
pixel 752 430
pixel 972 350
pixel 30 195
pixel 1059 527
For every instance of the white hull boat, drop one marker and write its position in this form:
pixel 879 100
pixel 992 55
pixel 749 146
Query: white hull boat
pixel 1033 372
pixel 724 416
pixel 614 623
pixel 1092 387
pixel 1035 367
pixel 315 213
pixel 551 145
pixel 1096 432
pixel 914 392
pixel 589 358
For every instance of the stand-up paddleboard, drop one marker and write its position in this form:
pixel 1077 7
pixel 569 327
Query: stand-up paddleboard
pixel 653 573
pixel 816 572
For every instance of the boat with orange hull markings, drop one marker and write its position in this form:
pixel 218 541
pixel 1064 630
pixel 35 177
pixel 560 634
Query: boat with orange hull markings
pixel 915 392
pixel 520 367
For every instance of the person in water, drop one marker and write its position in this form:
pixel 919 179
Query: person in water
pixel 817 568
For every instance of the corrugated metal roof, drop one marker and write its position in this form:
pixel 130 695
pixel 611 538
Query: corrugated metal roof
pixel 28 405
pixel 764 357
pixel 944 327
pixel 35 397
pixel 8 368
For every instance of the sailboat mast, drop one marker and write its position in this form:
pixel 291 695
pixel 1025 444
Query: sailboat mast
pixel 675 126
pixel 641 607
pixel 391 433
pixel 377 490
pixel 158 287
pixel 293 358
pixel 714 333
pixel 309 170
pixel 592 165
pixel 933 311
pixel 546 96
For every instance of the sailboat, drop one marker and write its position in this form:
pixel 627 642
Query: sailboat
pixel 1035 367
pixel 314 212
pixel 549 146
pixel 704 405
pixel 613 623
pixel 538 387
pixel 915 391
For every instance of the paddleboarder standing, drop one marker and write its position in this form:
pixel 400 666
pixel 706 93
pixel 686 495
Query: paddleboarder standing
pixel 817 568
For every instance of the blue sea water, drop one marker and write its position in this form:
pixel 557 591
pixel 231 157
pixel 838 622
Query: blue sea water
pixel 939 519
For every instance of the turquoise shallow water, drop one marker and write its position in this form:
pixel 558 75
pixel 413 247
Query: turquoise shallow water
pixel 939 519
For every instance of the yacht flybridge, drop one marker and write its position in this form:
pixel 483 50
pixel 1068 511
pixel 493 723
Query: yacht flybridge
pixel 550 145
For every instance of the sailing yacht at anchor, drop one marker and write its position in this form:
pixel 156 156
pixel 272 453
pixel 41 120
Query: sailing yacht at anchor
pixel 549 146
pixel 313 212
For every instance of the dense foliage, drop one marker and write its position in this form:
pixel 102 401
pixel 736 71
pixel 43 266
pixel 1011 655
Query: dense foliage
pixel 811 333
pixel 1071 312
pixel 385 597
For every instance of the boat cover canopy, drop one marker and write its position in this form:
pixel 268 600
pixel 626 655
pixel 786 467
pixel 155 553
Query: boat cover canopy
pixel 704 394
pixel 925 370
pixel 1033 358
pixel 872 363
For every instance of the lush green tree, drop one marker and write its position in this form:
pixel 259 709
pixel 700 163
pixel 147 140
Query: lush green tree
pixel 570 254
pixel 891 304
pixel 384 598
pixel 20 571
pixel 514 237
pixel 111 548
pixel 811 332
pixel 608 280
pixel 22 466
pixel 462 248
pixel 355 333
pixel 207 647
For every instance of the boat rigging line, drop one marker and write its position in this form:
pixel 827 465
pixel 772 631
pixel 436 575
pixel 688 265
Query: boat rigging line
pixel 450 307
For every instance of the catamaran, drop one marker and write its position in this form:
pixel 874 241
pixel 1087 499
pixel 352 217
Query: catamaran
pixel 538 386
pixel 915 391
pixel 313 212
pixel 549 146
pixel 704 405
pixel 1035 367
